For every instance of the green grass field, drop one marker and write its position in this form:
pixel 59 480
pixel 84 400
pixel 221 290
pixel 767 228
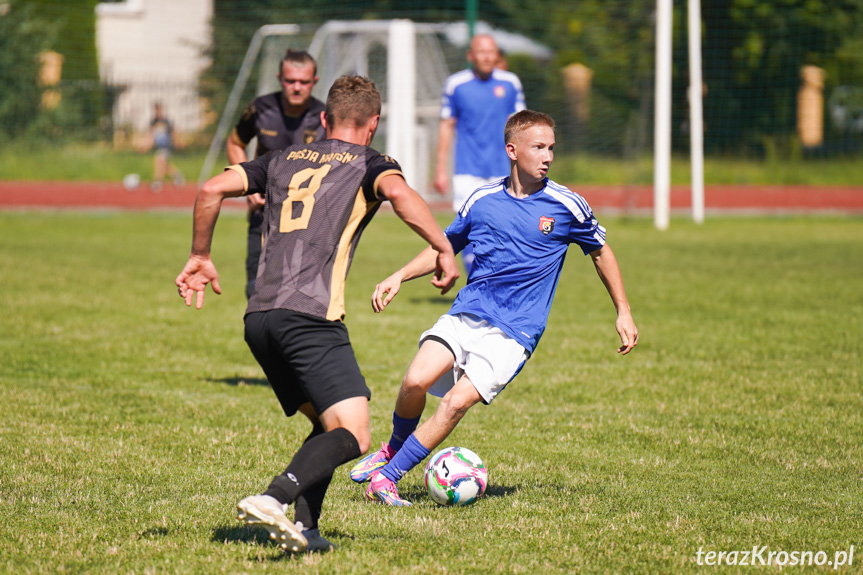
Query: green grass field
pixel 130 426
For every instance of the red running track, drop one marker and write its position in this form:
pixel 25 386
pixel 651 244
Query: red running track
pixel 624 199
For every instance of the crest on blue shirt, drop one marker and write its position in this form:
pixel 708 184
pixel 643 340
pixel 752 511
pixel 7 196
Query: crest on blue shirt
pixel 546 224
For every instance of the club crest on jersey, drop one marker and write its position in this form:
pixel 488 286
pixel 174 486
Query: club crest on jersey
pixel 546 224
pixel 309 136
pixel 499 91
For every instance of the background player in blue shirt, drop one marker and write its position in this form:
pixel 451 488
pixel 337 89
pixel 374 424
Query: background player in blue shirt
pixel 475 106
pixel 520 228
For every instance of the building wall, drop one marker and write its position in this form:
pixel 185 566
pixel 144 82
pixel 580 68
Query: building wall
pixel 154 49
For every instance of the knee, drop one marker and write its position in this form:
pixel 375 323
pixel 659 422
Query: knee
pixel 454 405
pixel 364 440
pixel 363 437
pixel 415 383
pixel 353 416
pixel 362 434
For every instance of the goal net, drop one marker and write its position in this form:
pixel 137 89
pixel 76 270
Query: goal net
pixel 782 89
pixel 407 62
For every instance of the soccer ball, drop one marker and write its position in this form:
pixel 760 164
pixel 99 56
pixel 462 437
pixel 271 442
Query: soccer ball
pixel 455 476
pixel 131 181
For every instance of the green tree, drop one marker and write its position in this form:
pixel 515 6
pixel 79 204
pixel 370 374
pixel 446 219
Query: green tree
pixel 83 105
pixel 235 22
pixel 753 51
pixel 23 36
pixel 752 54
pixel 76 38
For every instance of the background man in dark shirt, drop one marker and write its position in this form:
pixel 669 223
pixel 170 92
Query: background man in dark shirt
pixel 278 120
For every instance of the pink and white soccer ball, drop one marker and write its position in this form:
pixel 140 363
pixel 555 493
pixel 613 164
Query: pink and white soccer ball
pixel 455 476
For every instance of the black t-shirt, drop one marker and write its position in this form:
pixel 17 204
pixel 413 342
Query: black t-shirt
pixel 265 118
pixel 319 199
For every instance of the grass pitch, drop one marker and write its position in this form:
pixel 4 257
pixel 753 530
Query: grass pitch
pixel 130 426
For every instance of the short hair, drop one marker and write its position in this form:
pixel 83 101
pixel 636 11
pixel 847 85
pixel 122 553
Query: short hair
pixel 352 99
pixel 520 121
pixel 298 58
pixel 475 39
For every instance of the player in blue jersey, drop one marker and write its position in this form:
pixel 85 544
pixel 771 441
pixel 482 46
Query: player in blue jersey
pixel 520 227
pixel 475 106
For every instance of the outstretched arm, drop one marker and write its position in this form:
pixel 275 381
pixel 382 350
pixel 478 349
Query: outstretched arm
pixel 385 291
pixel 411 208
pixel 199 270
pixel 609 273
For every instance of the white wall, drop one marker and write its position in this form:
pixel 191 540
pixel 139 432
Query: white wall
pixel 154 47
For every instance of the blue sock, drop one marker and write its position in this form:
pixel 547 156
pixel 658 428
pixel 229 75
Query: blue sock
pixel 408 457
pixel 401 429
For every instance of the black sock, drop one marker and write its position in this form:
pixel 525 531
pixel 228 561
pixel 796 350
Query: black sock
pixel 307 509
pixel 314 462
pixel 310 504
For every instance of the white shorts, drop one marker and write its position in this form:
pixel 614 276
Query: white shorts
pixel 489 357
pixel 463 185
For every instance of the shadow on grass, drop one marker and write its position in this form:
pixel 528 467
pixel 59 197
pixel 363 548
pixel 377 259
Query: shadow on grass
pixel 500 490
pixel 418 493
pixel 237 380
pixel 437 300
pixel 155 532
pixel 242 533
pixel 260 536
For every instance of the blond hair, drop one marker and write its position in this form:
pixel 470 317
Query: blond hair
pixel 520 121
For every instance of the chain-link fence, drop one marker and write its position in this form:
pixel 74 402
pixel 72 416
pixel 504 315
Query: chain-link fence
pixel 781 82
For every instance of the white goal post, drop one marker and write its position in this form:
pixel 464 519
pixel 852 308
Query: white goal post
pixel 662 118
pixel 403 58
pixel 252 53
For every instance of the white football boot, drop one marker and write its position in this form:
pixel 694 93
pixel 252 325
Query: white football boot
pixel 267 512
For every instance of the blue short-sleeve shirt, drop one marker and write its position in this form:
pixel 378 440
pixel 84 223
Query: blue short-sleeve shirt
pixel 519 248
pixel 481 109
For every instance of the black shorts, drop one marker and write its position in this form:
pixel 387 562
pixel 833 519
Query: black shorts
pixel 305 359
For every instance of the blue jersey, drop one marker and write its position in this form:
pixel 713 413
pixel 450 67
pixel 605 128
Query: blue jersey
pixel 520 246
pixel 481 109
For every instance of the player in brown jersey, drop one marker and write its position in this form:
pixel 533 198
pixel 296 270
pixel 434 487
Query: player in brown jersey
pixel 319 198
pixel 278 120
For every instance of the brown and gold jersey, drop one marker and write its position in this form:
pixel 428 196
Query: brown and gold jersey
pixel 320 197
